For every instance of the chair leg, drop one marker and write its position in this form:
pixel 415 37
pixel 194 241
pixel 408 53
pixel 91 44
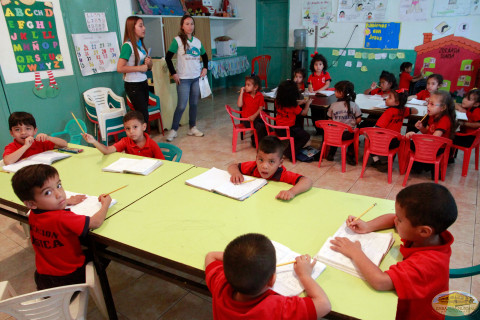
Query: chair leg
pixel 466 161
pixel 344 158
pixel 95 289
pixel 410 164
pixel 256 138
pixel 292 147
pixel 234 141
pixel 161 124
pixel 321 153
pixel 390 167
pixel 476 157
pixel 366 155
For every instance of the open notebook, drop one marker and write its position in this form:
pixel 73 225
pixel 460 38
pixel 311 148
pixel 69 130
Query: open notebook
pixel 216 180
pixel 375 246
pixel 287 282
pixel 417 102
pixel 87 207
pixel 137 166
pixel 47 157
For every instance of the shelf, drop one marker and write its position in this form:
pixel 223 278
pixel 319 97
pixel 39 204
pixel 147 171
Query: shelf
pixel 202 17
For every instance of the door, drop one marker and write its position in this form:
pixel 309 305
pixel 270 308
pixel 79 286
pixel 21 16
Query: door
pixel 272 38
pixel 5 137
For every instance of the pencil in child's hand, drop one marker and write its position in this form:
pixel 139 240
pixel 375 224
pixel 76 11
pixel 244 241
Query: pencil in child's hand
pixel 247 181
pixel 363 213
pixel 116 190
pixel 426 114
pixel 289 262
pixel 77 122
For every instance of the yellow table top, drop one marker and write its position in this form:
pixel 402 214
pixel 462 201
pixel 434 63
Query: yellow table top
pixel 183 223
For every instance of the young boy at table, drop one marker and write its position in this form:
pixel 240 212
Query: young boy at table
pixel 241 277
pixel 55 231
pixel 137 141
pixel 269 165
pixel 423 212
pixel 23 129
pixel 471 106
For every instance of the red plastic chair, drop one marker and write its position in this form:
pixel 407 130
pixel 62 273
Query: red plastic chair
pixel 333 131
pixel 377 142
pixel 426 148
pixel 468 151
pixel 270 126
pixel 154 112
pixel 263 62
pixel 239 127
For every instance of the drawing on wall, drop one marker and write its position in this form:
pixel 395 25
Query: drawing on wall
pixel 96 52
pixel 449 8
pixel 361 10
pixel 475 7
pixel 413 10
pixel 51 91
pixel 315 12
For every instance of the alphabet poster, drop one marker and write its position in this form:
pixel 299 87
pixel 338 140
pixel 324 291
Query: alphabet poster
pixel 96 52
pixel 361 10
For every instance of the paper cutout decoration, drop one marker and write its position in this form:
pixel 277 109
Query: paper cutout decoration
pixel 358 55
pixel 371 56
pixel 335 52
pixel 46 92
pixel 359 64
pixel 378 56
pixel 364 69
pixel 334 64
pixel 392 56
pixel 348 64
pixel 351 52
pixel 364 55
pixel 442 27
pixel 401 55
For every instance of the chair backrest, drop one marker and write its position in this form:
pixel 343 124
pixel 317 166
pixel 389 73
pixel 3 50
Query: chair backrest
pixel 263 62
pixel 74 130
pixel 232 116
pixel 379 138
pixel 333 130
pixel 476 142
pixel 427 146
pixel 269 122
pixel 51 303
pixel 170 151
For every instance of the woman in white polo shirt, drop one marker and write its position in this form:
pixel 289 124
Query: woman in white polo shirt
pixel 134 63
pixel 189 52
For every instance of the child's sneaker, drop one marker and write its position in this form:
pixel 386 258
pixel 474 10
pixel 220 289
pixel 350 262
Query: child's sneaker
pixel 195 132
pixel 171 135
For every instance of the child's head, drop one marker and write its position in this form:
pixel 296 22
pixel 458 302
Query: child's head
pixel 287 94
pixel 39 187
pixel 434 81
pixel 387 81
pixel 249 263
pixel 22 125
pixel 424 205
pixel 252 84
pixel 440 103
pixel 318 64
pixel 472 99
pixel 269 156
pixel 397 98
pixel 406 67
pixel 345 90
pixel 299 76
pixel 134 124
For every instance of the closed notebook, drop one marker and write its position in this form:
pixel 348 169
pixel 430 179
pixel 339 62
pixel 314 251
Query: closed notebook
pixel 216 180
pixel 287 282
pixel 47 157
pixel 137 166
pixel 87 207
pixel 375 245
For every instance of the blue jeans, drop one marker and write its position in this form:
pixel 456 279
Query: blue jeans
pixel 187 90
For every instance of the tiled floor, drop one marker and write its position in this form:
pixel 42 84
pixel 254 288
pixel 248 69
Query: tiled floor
pixel 141 296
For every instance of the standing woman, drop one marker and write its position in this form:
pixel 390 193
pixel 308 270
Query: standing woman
pixel 189 50
pixel 134 63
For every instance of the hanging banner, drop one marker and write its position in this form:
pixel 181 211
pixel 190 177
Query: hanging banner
pixel 33 36
pixel 96 52
pixel 361 10
pixel 382 35
pixel 315 12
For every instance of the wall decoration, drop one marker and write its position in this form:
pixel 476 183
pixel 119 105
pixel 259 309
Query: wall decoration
pixel 413 10
pixel 316 12
pixel 51 91
pixel 96 21
pixel 449 8
pixel 382 35
pixel 475 7
pixel 96 52
pixel 361 10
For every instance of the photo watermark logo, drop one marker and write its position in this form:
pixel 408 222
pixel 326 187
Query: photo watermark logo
pixel 455 303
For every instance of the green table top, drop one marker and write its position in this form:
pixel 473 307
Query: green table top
pixel 184 223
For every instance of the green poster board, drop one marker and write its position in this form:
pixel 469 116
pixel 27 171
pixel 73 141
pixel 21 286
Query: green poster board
pixel 33 34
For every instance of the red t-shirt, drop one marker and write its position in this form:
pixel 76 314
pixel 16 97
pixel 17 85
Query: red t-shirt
pixel 55 239
pixel 249 168
pixel 443 124
pixel 378 91
pixel 36 147
pixel 423 273
pixel 405 79
pixel 301 86
pixel 473 115
pixel 251 104
pixel 269 305
pixel 423 95
pixel 319 81
pixel 150 149
pixel 286 116
pixel 392 118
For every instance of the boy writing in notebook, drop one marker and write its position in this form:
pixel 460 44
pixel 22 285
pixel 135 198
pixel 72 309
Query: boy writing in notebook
pixel 269 165
pixel 423 212
pixel 241 277
pixel 136 142
pixel 23 129
pixel 55 231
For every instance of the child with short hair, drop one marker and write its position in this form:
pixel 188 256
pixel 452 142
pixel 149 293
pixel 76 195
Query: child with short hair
pixel 137 141
pixel 423 212
pixel 23 129
pixel 405 78
pixel 54 230
pixel 299 78
pixel 387 83
pixel 346 111
pixel 471 106
pixel 240 279
pixel 269 165
pixel 434 81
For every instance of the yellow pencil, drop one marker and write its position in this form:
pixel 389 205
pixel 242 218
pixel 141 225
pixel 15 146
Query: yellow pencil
pixel 116 190
pixel 77 122
pixel 373 205
pixel 246 181
pixel 426 114
pixel 287 263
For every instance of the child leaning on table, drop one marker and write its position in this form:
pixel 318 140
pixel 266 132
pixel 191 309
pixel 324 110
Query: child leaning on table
pixel 423 212
pixel 241 277
pixel 23 129
pixel 268 165
pixel 55 231
pixel 137 141
pixel 471 106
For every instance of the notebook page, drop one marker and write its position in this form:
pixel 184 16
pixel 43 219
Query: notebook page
pixel 417 102
pixel 14 167
pixel 48 157
pixel 210 179
pixel 327 93
pixel 375 97
pixel 87 207
pixel 120 165
pixel 240 191
pixel 144 166
pixel 287 282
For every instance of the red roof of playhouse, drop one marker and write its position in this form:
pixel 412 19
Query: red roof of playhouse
pixel 429 45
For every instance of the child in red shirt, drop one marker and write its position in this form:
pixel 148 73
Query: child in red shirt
pixel 423 212
pixel 471 106
pixel 387 83
pixel 405 78
pixel 137 141
pixel 240 279
pixel 434 81
pixel 319 79
pixel 299 79
pixel 23 129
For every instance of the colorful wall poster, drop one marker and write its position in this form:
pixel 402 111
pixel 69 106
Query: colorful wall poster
pixel 382 35
pixel 361 10
pixel 413 10
pixel 315 12
pixel 96 52
pixel 449 8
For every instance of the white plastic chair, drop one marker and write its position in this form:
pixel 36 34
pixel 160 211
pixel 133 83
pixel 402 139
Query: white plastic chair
pixel 93 282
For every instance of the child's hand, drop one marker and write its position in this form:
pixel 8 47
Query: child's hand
pixel 73 200
pixel 358 226
pixel 304 265
pixel 105 199
pixel 252 117
pixel 345 246
pixel 409 135
pixel 285 195
pixel 419 125
pixel 88 138
pixel 236 178
pixel 29 141
pixel 242 90
pixel 41 137
pixel 373 86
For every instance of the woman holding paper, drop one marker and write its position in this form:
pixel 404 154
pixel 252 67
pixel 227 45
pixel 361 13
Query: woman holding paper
pixel 134 62
pixel 190 69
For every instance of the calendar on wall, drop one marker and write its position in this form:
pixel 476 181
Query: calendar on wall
pixel 96 21
pixel 97 52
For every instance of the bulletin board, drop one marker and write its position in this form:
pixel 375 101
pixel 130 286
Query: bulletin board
pixel 96 52
pixel 382 35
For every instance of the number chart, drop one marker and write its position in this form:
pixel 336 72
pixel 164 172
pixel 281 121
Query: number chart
pixel 96 52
